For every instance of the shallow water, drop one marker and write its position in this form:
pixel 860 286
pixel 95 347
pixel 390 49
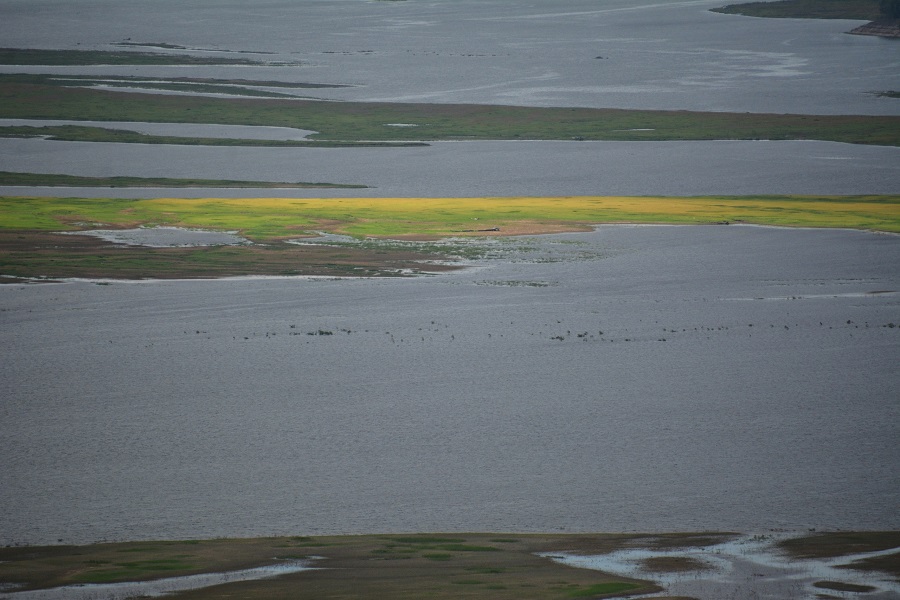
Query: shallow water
pixel 748 568
pixel 165 237
pixel 486 399
pixel 661 54
pixel 476 169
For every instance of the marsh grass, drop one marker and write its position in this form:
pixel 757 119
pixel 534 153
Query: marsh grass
pixel 807 9
pixel 261 219
pixel 29 246
pixel 29 255
pixel 835 544
pixel 24 98
pixel 50 179
pixel 398 567
pixel 374 567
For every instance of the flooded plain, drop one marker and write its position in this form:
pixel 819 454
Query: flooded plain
pixel 657 54
pixel 749 567
pixel 628 379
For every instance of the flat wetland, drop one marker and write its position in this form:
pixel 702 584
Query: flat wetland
pixel 496 566
pixel 39 97
pixel 336 302
pixel 32 247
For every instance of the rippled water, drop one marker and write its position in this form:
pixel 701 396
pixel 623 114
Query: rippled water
pixel 478 169
pixel 666 54
pixel 632 379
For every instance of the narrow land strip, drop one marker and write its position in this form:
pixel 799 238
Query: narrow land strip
pixel 31 245
pixel 52 179
pixel 24 97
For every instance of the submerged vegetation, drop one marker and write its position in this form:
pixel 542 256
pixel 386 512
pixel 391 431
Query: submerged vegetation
pixel 30 97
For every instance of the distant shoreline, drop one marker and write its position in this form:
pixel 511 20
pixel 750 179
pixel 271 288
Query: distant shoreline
pixel 878 24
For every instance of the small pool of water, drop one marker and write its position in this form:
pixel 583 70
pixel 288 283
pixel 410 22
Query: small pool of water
pixel 166 237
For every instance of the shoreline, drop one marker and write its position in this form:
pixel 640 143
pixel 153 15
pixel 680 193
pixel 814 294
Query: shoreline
pixel 494 565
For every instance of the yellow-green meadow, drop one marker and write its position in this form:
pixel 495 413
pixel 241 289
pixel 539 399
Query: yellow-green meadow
pixel 32 245
pixel 270 218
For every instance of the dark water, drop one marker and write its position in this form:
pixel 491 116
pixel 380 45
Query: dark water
pixel 478 169
pixel 745 379
pixel 666 54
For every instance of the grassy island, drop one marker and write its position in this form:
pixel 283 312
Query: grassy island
pixel 32 245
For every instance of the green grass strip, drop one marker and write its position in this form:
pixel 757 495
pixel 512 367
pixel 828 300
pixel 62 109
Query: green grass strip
pixel 269 218
pixel 368 121
pixel 53 180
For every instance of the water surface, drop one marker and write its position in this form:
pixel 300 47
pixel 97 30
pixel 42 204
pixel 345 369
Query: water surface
pixel 631 379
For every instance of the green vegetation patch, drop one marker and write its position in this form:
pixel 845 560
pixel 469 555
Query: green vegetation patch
pixel 31 244
pixel 603 589
pixel 347 569
pixel 369 121
pixel 425 539
pixel 807 9
pixel 46 179
pixel 36 255
pixel 133 570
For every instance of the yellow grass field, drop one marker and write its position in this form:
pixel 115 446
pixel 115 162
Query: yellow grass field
pixel 429 218
pixel 437 217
